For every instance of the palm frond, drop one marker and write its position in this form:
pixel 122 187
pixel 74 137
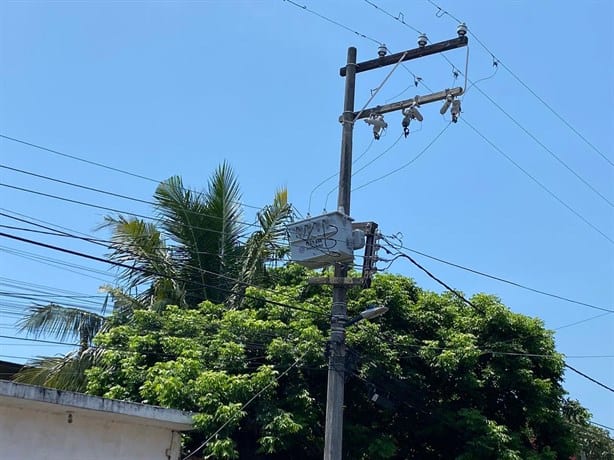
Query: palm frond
pixel 266 242
pixel 206 229
pixel 224 201
pixel 62 323
pixel 123 304
pixel 61 372
pixel 140 245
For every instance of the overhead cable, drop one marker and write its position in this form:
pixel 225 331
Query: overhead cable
pixel 442 12
pixel 136 268
pixel 332 21
pixel 101 165
pixel 588 377
pixel 506 281
pixel 542 186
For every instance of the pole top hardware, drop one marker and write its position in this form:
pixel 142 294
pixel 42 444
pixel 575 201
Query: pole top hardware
pixel 408 55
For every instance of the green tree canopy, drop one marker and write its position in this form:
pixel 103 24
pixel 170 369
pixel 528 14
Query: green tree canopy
pixel 432 379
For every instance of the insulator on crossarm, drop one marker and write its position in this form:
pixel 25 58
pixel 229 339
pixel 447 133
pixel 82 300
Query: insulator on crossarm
pixel 378 123
pixel 446 104
pixel 416 113
pixel 461 30
pixel 410 113
pixel 405 122
pixel 456 110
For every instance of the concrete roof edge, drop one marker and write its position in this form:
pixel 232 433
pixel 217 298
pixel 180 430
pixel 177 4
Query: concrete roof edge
pixel 173 418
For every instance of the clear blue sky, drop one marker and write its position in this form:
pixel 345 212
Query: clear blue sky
pixel 164 88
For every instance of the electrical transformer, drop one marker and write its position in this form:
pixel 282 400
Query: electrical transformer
pixel 321 241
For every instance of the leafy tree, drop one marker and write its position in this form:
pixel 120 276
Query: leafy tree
pixel 432 379
pixel 593 442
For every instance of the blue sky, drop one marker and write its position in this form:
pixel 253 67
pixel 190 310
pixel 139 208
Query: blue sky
pixel 164 88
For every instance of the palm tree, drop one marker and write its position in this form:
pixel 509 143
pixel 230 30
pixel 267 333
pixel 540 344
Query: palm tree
pixel 63 323
pixel 264 245
pixel 193 248
pixel 194 251
pixel 67 372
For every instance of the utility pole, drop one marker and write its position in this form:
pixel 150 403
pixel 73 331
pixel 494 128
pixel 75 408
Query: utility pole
pixel 333 436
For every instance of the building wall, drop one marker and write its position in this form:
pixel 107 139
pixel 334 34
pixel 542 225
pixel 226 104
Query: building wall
pixel 26 433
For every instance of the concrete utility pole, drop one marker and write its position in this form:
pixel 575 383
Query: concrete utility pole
pixel 333 436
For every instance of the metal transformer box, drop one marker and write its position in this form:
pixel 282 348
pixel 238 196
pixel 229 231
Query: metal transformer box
pixel 321 241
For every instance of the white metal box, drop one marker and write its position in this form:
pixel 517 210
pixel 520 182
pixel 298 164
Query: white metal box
pixel 321 241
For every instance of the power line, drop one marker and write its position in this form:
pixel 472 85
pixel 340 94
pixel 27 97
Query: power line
pixel 537 355
pixel 417 80
pixel 332 21
pixel 106 208
pixel 100 165
pixel 33 256
pixel 78 296
pixel 542 186
pixel 523 128
pixel 405 165
pixel 108 243
pixel 129 213
pixel 34 287
pixel 400 17
pixel 544 147
pixel 512 283
pixel 47 300
pixel 69 200
pixel 489 351
pixel 98 241
pixel 336 174
pixel 44 342
pixel 507 114
pixel 588 377
pixel 72 184
pixel 39 220
pixel 28 339
pixel 118 195
pixel 73 157
pixel 385 151
pixel 575 323
pixel 450 289
pixel 146 271
pixel 105 243
pixel 519 80
pixel 373 160
pixel 373 95
pixel 381 85
pixel 498 279
pixel 533 137
pixel 59 264
pixel 600 425
pixel 395 345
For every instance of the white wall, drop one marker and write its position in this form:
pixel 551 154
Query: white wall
pixel 26 433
